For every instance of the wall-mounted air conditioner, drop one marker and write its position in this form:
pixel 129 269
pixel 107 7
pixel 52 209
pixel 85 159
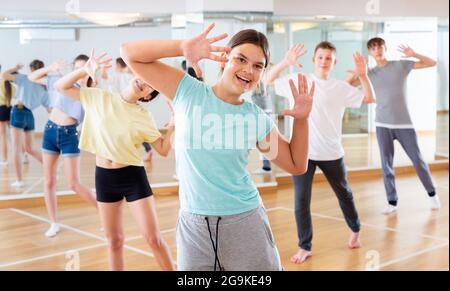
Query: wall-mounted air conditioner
pixel 28 35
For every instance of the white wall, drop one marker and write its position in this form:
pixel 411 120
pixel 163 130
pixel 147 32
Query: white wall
pixel 404 8
pixel 102 39
pixel 231 5
pixel 442 68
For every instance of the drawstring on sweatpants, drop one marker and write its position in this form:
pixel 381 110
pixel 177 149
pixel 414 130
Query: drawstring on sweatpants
pixel 215 245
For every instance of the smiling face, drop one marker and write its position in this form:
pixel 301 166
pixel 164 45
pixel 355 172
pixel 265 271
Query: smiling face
pixel 140 88
pixel 324 60
pixel 244 68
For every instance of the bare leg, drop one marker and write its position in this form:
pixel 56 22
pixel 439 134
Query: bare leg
pixel 50 163
pixel 17 145
pixel 144 212
pixel 111 217
pixel 71 169
pixel 4 125
pixel 29 146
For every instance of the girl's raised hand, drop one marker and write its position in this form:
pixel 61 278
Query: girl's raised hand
pixel 94 64
pixel 303 99
pixel 201 47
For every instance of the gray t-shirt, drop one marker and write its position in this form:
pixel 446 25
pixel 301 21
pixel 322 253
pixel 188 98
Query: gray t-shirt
pixel 389 84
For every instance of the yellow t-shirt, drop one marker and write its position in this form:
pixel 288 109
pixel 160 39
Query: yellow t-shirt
pixel 114 129
pixel 3 92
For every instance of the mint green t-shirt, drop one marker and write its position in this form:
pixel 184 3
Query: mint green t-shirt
pixel 213 140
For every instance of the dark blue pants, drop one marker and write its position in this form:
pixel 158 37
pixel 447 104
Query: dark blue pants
pixel 336 175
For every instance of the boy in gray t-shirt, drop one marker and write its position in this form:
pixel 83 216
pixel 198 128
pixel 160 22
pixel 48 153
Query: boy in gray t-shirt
pixel 392 117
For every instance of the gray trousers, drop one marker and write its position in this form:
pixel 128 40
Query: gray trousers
pixel 240 242
pixel 408 140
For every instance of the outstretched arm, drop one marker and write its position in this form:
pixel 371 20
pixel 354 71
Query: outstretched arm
pixel 361 74
pixel 143 58
pixel 292 156
pixel 66 85
pixel 9 75
pixel 39 76
pixel 163 145
pixel 424 61
pixel 290 59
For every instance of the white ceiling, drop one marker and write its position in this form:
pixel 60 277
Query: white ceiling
pixel 56 9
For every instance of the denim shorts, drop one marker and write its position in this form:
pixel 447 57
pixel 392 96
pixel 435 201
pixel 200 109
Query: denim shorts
pixel 60 140
pixel 22 118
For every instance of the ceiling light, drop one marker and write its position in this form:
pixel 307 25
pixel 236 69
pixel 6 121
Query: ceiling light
pixel 296 26
pixel 109 19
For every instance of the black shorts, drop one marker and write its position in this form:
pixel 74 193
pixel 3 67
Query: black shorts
pixel 112 185
pixel 5 113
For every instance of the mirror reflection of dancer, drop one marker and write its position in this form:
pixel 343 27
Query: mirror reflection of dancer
pixel 60 138
pixel 29 96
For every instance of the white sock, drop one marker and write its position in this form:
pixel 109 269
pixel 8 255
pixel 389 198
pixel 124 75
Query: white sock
pixel 17 184
pixel 389 209
pixel 435 203
pixel 53 230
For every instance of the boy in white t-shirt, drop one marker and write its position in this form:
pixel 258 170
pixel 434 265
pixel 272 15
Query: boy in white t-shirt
pixel 331 97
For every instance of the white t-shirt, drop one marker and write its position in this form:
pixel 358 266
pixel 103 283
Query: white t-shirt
pixel 331 97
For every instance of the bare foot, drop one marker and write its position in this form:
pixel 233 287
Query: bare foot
pixel 301 256
pixel 354 241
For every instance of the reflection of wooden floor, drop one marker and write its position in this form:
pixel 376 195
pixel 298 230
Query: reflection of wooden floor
pixel 414 239
pixel 361 151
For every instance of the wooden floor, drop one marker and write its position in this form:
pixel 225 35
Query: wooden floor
pixel 413 239
pixel 361 152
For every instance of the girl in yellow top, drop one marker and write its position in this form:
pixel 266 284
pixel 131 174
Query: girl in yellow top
pixel 114 128
pixel 7 92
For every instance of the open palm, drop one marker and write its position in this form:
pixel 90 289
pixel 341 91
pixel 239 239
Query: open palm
pixel 293 54
pixel 200 47
pixel 94 64
pixel 302 97
pixel 406 51
pixel 360 65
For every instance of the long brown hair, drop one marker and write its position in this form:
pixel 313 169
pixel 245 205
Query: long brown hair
pixel 254 37
pixel 8 92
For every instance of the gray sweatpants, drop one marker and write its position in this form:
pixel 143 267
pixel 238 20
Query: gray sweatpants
pixel 408 139
pixel 241 242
